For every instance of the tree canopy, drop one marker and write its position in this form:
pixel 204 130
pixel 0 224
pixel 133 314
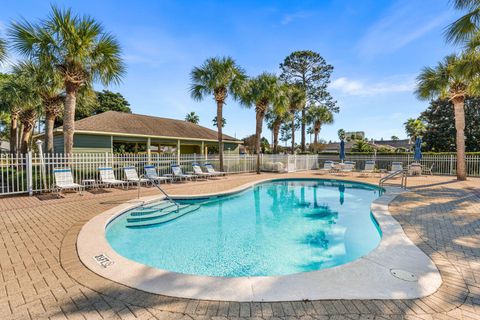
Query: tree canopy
pixel 309 70
pixel 192 117
pixel 3 50
pixel 439 135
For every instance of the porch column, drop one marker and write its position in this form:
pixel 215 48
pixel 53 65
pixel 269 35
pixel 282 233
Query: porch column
pixel 202 148
pixel 149 152
pixel 178 151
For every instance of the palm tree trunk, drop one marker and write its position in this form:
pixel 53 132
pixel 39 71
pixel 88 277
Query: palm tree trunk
pixel 49 124
pixel 276 129
pixel 69 119
pixel 316 130
pixel 458 105
pixel 293 135
pixel 28 124
pixel 303 130
pixel 220 131
pixel 51 113
pixel 14 132
pixel 260 114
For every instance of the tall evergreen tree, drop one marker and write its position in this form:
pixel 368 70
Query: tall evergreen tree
pixel 310 71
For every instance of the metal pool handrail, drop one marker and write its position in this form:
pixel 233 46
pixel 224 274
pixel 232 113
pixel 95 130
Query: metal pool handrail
pixel 394 174
pixel 159 188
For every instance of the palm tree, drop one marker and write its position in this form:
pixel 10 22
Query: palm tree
pixel 467 27
pixel 274 123
pixel 414 128
pixel 362 146
pixel 28 117
pixel 16 94
pixel 3 50
pixel 49 87
pixel 450 80
pixel 263 92
pixel 317 116
pixel 218 77
pixel 192 117
pixel 79 50
pixel 215 124
pixel 297 99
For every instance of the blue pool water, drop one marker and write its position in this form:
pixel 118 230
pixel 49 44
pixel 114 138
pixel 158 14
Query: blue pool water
pixel 275 228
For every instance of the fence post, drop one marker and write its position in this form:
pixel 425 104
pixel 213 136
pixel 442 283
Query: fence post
pixel 29 173
pixel 451 164
pixel 106 159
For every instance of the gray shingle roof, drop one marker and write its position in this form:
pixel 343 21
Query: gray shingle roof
pixel 128 123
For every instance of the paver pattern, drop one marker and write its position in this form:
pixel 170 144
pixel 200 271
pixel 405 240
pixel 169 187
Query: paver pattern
pixel 41 276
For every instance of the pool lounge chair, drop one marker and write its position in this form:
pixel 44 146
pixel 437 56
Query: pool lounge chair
pixel 346 167
pixel 211 170
pixel 107 178
pixel 396 166
pixel 369 168
pixel 64 181
pixel 327 167
pixel 151 174
pixel 197 170
pixel 177 173
pixel 428 170
pixel 131 176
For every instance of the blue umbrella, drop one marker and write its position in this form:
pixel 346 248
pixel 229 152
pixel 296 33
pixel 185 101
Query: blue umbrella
pixel 418 150
pixel 342 150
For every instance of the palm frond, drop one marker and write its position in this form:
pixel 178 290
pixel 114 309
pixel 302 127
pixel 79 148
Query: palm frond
pixel 218 74
pixel 3 50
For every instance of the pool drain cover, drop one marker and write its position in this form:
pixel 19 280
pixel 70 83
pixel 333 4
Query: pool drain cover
pixel 404 275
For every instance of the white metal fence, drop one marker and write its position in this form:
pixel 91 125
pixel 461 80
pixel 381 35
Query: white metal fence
pixel 30 173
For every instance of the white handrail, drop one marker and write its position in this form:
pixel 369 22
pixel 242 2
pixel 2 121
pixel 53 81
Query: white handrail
pixel 394 174
pixel 159 188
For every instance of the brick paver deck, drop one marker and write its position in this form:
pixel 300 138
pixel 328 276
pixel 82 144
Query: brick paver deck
pixel 41 276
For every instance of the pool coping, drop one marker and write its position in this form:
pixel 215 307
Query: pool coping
pixel 368 277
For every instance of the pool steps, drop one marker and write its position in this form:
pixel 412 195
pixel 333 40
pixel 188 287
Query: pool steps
pixel 152 208
pixel 162 217
pixel 156 213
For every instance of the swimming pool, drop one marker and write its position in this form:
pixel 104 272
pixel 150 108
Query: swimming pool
pixel 274 228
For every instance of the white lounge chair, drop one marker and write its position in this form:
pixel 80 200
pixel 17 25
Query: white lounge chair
pixel 346 167
pixel 396 166
pixel 369 168
pixel 151 173
pixel 327 167
pixel 197 170
pixel 178 173
pixel 211 170
pixel 64 181
pixel 107 178
pixel 131 176
pixel 428 170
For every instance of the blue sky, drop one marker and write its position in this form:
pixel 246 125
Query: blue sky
pixel 376 47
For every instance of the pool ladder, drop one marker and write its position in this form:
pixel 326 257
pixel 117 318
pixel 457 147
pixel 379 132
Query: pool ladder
pixel 402 173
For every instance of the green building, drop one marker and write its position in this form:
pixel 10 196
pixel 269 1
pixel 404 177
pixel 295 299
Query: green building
pixel 114 131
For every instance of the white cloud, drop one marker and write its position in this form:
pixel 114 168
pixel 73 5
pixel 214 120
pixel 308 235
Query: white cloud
pixel 402 24
pixel 295 16
pixel 362 88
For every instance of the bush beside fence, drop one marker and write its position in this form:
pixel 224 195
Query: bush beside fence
pixel 30 173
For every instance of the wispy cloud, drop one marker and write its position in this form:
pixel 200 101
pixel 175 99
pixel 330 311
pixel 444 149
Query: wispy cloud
pixel 288 18
pixel 403 23
pixel 363 88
